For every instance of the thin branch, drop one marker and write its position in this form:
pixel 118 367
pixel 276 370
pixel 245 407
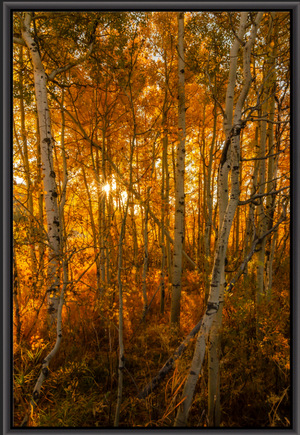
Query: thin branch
pixel 273 192
pixel 253 118
pixel 19 41
pixel 266 157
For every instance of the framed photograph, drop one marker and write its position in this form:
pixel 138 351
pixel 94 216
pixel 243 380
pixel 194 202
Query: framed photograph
pixel 150 203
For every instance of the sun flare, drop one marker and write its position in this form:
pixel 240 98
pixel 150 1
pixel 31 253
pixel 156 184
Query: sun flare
pixel 106 188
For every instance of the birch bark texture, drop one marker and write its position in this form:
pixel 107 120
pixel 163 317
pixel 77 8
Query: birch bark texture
pixel 225 227
pixel 48 174
pixel 214 340
pixel 179 200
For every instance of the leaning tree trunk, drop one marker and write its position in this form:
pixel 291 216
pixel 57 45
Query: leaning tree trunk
pixel 232 156
pixel 179 206
pixel 214 340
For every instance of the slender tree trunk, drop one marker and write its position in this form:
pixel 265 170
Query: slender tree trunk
pixel 272 168
pixel 41 234
pixel 198 256
pixel 165 247
pixel 121 343
pixel 179 206
pixel 250 226
pixel 214 339
pixel 145 269
pixel 167 207
pixel 16 293
pixel 162 241
pixel 209 186
pixel 103 211
pixel 27 175
pixel 262 218
pixel 63 195
pixel 93 226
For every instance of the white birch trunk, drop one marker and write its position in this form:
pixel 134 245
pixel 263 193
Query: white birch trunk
pixel 50 190
pixel 214 341
pixel 179 206
pixel 27 173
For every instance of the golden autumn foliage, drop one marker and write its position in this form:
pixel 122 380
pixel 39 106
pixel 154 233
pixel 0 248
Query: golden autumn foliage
pixel 114 121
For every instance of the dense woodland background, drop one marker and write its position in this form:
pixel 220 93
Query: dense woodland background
pixel 151 219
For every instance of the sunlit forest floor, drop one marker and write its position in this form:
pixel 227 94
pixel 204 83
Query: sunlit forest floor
pixel 81 390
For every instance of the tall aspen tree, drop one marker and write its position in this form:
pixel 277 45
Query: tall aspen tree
pixel 27 169
pixel 179 206
pixel 272 164
pixel 50 188
pixel 165 187
pixel 225 164
pixel 165 171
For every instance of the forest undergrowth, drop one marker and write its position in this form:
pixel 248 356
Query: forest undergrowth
pixel 81 390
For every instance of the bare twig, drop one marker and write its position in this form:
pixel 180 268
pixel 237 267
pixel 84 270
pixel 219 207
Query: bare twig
pixel 261 195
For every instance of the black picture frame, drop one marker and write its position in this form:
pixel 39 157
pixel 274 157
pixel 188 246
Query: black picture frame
pixel 7 8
